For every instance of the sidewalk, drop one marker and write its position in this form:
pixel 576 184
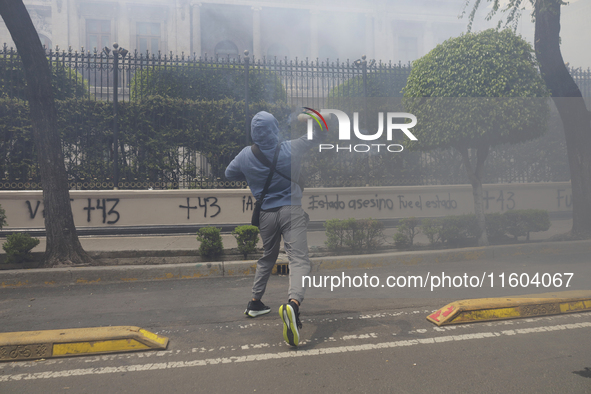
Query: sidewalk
pixel 195 269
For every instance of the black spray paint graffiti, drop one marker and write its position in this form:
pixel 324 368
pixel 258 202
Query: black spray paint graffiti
pixel 247 203
pixel 568 199
pixel 323 202
pixel 505 199
pixel 101 204
pixel 33 213
pixel 212 204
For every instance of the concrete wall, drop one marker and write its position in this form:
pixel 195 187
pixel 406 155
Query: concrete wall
pixel 24 209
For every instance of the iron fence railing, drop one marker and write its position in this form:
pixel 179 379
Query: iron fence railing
pixel 111 140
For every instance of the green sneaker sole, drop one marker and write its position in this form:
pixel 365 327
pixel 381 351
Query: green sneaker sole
pixel 290 327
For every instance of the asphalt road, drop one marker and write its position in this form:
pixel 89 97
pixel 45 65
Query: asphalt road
pixel 356 340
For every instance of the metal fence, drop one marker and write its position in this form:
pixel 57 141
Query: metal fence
pixel 114 76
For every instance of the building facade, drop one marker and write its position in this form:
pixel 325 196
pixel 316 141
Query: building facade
pixel 401 30
pixel 387 30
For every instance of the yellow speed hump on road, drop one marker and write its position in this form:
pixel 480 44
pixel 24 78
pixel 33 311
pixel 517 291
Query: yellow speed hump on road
pixel 30 345
pixel 502 308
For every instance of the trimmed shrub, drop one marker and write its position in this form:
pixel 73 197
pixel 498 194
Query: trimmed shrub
pixel 373 233
pixel 356 234
pixel 521 222
pixel 336 232
pixel 407 230
pixel 211 242
pixel 2 218
pixel 432 229
pixel 18 247
pixel 536 220
pixel 454 230
pixel 458 229
pixel 247 238
pixel 206 82
pixel 496 226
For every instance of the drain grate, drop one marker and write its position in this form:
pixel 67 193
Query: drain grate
pixel 282 269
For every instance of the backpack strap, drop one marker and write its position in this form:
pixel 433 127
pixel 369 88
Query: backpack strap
pixel 261 157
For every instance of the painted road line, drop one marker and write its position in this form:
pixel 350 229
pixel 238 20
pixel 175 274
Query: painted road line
pixel 29 345
pixel 502 308
pixel 288 353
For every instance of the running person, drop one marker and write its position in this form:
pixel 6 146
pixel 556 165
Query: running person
pixel 281 214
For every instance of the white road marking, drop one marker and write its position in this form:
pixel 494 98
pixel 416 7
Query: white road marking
pixel 286 354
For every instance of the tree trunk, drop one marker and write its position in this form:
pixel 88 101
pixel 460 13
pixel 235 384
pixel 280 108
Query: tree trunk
pixel 575 117
pixel 475 176
pixel 63 246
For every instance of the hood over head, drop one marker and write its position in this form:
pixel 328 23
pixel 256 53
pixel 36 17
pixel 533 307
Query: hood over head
pixel 264 130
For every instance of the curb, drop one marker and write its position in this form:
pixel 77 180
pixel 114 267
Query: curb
pixel 30 345
pixel 136 273
pixel 533 305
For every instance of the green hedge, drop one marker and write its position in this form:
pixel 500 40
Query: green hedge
pixel 206 82
pixel 211 242
pixel 2 218
pixel 354 234
pixel 18 247
pixel 456 230
pixel 247 238
pixel 153 131
pixel 379 84
pixel 66 82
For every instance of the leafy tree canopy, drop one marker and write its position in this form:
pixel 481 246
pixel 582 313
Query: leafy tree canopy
pixel 482 89
pixel 66 82
pixel 207 82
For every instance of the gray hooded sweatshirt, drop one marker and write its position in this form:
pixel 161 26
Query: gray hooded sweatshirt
pixel 245 166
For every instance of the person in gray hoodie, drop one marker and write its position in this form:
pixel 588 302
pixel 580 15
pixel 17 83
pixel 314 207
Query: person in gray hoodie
pixel 281 214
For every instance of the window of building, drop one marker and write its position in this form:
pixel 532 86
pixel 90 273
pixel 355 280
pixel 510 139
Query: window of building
pixel 278 51
pixel 98 34
pixel 225 49
pixel 148 37
pixel 407 49
pixel 327 52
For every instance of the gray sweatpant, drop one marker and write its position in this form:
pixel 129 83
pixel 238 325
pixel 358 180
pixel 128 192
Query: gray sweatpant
pixel 291 221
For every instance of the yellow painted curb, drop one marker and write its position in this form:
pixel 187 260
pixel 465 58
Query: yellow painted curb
pixel 487 309
pixel 28 345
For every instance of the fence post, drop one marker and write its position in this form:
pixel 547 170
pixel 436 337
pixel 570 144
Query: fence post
pixel 246 109
pixel 364 72
pixel 116 52
pixel 115 118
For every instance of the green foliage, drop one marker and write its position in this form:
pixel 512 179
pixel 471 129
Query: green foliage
pixel 521 222
pixel 356 234
pixel 458 229
pixel 159 134
pixel 477 90
pixel 431 228
pixel 247 238
pixel 66 82
pixel 385 83
pixel 407 230
pixel 211 242
pixel 461 229
pixel 496 225
pixel 204 81
pixel 336 232
pixel 18 247
pixel 451 230
pixel 2 218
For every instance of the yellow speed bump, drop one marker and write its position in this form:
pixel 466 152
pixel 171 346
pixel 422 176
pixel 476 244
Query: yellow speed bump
pixel 487 309
pixel 28 345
